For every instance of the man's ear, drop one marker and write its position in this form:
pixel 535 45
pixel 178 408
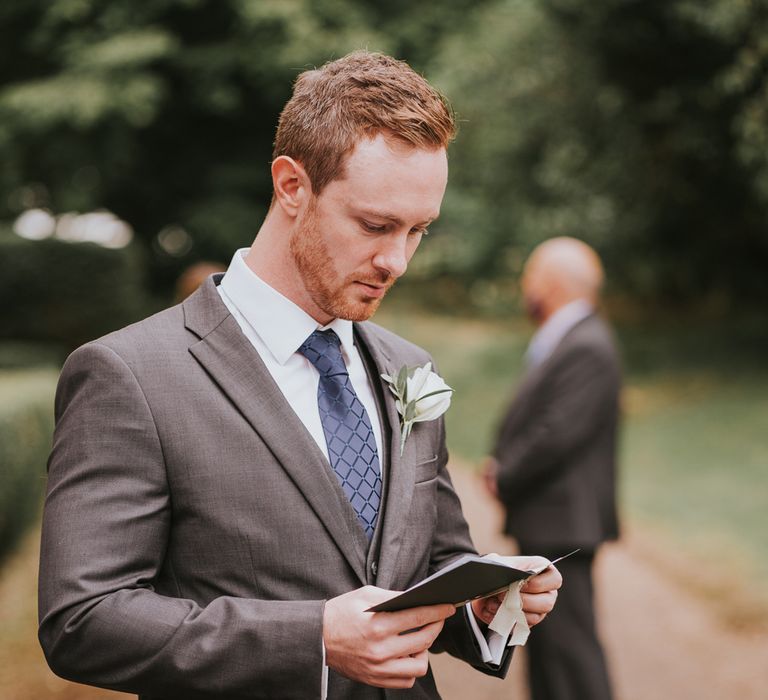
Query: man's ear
pixel 290 184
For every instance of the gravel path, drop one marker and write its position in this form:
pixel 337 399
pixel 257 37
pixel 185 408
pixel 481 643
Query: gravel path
pixel 662 642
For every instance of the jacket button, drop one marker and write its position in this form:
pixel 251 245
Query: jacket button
pixel 374 568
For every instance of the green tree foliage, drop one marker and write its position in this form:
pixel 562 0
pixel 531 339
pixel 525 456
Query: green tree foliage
pixel 161 111
pixel 164 111
pixel 524 94
pixel 692 76
pixel 639 126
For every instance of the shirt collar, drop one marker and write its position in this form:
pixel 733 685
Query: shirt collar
pixel 554 329
pixel 280 324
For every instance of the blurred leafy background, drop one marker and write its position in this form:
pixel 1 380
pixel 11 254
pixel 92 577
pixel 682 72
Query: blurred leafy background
pixel 135 140
pixel 639 126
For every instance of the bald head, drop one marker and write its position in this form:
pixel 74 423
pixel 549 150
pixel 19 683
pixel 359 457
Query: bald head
pixel 559 271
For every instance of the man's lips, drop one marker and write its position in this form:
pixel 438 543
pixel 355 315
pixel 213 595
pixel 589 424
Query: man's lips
pixel 373 290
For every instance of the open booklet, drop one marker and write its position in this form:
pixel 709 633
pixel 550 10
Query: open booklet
pixel 466 578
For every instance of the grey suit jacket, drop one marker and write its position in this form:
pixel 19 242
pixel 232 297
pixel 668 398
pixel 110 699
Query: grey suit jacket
pixel 556 446
pixel 193 529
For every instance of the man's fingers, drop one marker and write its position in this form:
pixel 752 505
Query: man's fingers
pixel 416 642
pixel 402 672
pixel 528 563
pixel 538 602
pixel 405 620
pixel 536 606
pixel 397 662
pixel 381 649
pixel 490 473
pixel 548 580
pixel 534 619
pixel 539 594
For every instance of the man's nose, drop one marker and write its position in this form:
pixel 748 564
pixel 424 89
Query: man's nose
pixel 393 255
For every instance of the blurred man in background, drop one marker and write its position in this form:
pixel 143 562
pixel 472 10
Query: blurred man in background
pixel 554 463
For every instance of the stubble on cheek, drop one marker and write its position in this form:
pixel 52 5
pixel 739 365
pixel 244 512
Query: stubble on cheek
pixel 335 298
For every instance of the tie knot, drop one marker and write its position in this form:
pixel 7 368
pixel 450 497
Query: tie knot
pixel 323 350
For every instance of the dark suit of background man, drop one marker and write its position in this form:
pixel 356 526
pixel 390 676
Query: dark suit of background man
pixel 554 463
pixel 227 494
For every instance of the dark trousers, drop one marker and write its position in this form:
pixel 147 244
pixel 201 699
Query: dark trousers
pixel 565 659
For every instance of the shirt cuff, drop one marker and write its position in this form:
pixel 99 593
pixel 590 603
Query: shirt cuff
pixel 492 644
pixel 324 676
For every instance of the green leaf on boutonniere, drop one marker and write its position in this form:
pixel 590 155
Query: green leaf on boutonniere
pixel 422 379
pixel 402 383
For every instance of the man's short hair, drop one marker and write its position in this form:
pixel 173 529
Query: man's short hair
pixel 358 96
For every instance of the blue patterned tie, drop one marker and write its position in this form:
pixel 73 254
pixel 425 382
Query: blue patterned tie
pixel 348 432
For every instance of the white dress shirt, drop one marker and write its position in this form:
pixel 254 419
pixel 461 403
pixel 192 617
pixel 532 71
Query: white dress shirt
pixel 553 330
pixel 276 327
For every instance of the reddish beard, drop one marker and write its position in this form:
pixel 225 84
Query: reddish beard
pixel 337 299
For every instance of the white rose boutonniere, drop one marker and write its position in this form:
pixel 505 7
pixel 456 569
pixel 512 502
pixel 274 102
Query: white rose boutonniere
pixel 421 395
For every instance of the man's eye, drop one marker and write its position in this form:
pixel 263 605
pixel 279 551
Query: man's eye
pixel 374 228
pixel 420 231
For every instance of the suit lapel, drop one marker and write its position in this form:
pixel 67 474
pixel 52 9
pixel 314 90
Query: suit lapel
pixel 399 476
pixel 232 362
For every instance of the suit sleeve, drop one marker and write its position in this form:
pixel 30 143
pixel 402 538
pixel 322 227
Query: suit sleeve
pixel 451 539
pixel 569 407
pixel 106 523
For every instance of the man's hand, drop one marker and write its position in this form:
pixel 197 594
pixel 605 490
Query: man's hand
pixel 489 471
pixel 538 593
pixel 485 609
pixel 374 648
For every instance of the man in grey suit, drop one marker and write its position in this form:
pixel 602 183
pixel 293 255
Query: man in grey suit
pixel 227 493
pixel 554 463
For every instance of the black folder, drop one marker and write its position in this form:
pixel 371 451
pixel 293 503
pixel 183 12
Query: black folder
pixel 462 580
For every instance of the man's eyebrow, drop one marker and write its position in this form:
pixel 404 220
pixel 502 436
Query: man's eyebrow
pixel 393 217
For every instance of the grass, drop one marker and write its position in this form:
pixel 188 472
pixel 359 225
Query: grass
pixel 26 423
pixel 694 456
pixel 24 383
pixel 697 461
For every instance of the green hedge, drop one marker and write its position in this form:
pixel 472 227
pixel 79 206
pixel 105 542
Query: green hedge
pixel 26 425
pixel 26 355
pixel 67 293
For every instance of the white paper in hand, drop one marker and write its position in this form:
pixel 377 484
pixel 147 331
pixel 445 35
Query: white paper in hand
pixel 510 618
